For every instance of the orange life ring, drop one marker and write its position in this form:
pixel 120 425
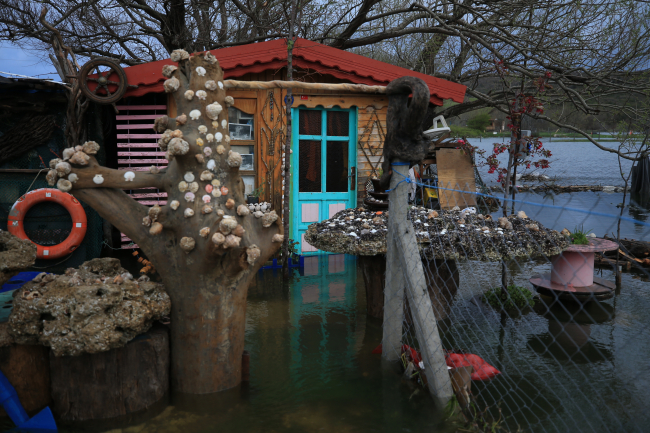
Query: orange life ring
pixel 71 204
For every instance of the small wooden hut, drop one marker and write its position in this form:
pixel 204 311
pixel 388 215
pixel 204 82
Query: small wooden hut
pixel 337 136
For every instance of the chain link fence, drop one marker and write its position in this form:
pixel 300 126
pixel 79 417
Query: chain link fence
pixel 506 326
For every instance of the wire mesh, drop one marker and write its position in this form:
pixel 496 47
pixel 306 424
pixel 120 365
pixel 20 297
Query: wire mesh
pixel 556 353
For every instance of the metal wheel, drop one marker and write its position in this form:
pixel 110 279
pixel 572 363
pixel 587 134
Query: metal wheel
pixel 103 81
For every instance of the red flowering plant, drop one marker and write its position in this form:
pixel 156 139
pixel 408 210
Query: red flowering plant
pixel 526 151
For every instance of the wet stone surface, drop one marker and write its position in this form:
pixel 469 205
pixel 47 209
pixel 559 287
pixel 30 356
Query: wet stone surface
pixel 452 234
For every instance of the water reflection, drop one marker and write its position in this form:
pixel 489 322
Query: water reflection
pixel 569 331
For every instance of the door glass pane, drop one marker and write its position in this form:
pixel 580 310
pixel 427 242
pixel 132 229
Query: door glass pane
pixel 309 122
pixel 337 166
pixel 309 172
pixel 338 123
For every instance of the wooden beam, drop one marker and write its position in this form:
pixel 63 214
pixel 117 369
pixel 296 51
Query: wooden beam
pixel 263 85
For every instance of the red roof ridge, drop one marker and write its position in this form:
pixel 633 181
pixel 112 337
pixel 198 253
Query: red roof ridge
pixel 257 57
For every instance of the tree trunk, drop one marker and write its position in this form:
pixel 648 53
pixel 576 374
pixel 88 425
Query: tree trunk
pixel 207 337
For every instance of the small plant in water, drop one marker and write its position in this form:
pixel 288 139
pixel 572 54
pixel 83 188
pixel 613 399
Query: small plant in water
pixel 579 236
pixel 515 298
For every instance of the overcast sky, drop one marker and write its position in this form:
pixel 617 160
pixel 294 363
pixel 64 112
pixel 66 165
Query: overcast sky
pixel 18 61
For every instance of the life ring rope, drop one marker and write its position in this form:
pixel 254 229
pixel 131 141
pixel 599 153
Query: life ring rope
pixel 71 204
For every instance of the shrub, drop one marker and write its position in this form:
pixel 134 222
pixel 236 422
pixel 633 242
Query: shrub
pixel 515 298
pixel 480 121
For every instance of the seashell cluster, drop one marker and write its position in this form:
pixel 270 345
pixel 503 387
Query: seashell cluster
pixel 171 85
pixel 64 185
pixel 178 55
pixel 189 94
pixel 211 85
pixel 210 58
pixel 269 219
pixel 156 228
pixel 90 147
pixel 79 158
pixel 187 244
pixel 168 70
pixel 195 114
pixel 178 146
pixel 234 159
pixel 252 254
pixel 62 168
pixel 227 224
pixel 232 241
pixel 67 154
pixel 213 110
pixel 181 120
pixel 242 210
pixel 218 238
pixel 201 94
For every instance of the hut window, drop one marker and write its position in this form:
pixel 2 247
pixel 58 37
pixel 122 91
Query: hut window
pixel 241 126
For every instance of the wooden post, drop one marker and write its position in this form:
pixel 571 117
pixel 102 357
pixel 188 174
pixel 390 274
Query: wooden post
pixel 394 290
pixel 403 260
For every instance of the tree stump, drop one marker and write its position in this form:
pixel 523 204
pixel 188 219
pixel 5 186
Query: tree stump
pixel 113 383
pixel 27 368
pixel 442 283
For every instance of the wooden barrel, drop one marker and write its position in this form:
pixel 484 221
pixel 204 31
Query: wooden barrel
pixel 27 369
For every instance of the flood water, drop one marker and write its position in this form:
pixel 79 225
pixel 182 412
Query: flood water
pixel 564 367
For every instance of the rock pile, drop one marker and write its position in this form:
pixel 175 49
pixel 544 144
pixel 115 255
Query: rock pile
pixel 95 308
pixel 450 235
pixel 15 255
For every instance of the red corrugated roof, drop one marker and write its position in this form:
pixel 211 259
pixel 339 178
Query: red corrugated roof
pixel 272 55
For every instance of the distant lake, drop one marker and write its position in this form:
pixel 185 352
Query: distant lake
pixel 579 163
pixel 574 163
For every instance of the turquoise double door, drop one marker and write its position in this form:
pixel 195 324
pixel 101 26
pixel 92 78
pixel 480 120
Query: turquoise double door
pixel 324 168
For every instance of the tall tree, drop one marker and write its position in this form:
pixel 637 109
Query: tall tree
pixel 206 244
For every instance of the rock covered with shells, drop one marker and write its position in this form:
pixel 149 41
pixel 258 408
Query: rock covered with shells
pixel 443 234
pixel 15 255
pixel 95 308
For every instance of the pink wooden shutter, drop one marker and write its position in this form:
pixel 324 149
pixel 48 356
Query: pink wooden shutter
pixel 137 150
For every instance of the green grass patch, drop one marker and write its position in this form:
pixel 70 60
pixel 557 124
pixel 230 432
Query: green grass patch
pixel 579 236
